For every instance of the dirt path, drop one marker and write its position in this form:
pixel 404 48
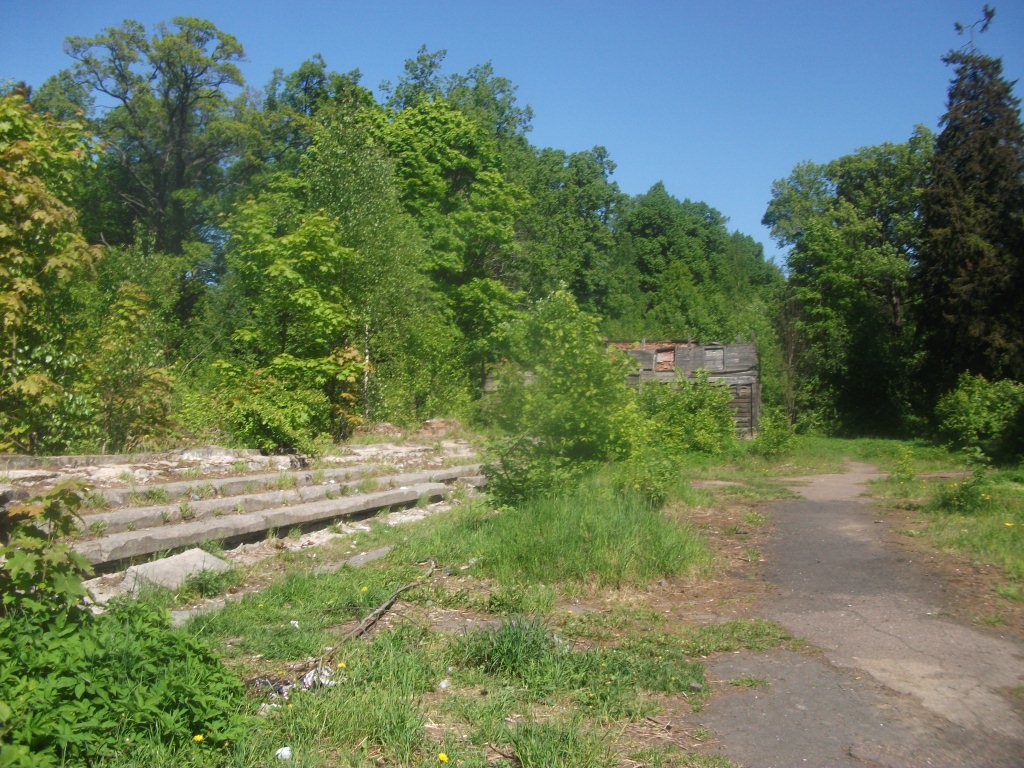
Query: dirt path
pixel 896 684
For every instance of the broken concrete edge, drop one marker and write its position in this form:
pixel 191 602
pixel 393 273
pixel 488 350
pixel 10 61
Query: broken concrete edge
pixel 173 572
pixel 231 486
pixel 224 486
pixel 140 518
pixel 107 552
pixel 196 453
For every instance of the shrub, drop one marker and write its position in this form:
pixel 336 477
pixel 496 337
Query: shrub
pixel 562 398
pixel 775 435
pixel 79 687
pixel 689 415
pixel 649 473
pixel 988 415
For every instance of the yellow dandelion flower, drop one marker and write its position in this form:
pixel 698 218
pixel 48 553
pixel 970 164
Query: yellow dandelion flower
pixel 442 757
pixel 363 588
pixel 341 665
pixel 1008 524
pixel 197 738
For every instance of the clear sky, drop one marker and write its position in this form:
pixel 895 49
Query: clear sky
pixel 716 99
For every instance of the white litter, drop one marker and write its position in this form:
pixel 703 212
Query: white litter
pixel 294 623
pixel 284 753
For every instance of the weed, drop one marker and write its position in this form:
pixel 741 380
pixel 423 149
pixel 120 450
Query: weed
pixel 165 516
pixel 157 495
pixel 294 532
pixel 992 620
pixel 748 682
pixel 92 500
pixel 317 477
pixel 590 535
pixel 239 466
pixel 1010 591
pixel 700 733
pixel 191 473
pixel 755 519
pixel 671 757
pixel 752 555
pixel 214 547
pixel 367 485
pixel 98 527
pixel 750 634
pixel 204 491
pixel 186 511
pixel 283 482
pixel 210 583
pixel 536 599
pixel 130 525
pixel 567 745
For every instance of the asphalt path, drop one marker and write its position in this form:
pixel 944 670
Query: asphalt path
pixel 892 681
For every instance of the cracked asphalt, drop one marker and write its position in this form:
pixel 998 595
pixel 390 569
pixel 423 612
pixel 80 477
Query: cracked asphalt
pixel 896 683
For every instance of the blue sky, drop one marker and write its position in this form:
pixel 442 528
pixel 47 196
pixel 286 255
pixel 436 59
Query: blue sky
pixel 715 99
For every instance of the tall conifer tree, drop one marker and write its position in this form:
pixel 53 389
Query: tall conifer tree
pixel 970 268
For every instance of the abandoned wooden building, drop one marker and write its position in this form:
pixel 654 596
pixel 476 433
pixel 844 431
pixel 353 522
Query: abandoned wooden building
pixel 734 365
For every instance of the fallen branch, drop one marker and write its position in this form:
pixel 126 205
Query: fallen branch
pixel 366 624
pixel 656 721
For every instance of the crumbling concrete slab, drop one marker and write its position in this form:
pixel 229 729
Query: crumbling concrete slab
pixel 172 572
pixel 137 518
pixel 118 547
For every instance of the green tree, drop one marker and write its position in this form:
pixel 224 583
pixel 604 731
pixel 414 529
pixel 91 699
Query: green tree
pixel 170 128
pixel 452 183
pixel 42 252
pixel 406 326
pixel 562 398
pixel 566 225
pixel 853 228
pixel 287 268
pixel 971 266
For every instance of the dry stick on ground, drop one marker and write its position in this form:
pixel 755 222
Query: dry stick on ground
pixel 366 624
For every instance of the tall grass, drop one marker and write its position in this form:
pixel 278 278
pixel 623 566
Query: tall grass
pixel 593 534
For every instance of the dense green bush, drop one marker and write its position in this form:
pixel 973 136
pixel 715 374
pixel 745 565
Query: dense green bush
pixel 78 687
pixel 252 409
pixel 985 415
pixel 562 400
pixel 775 434
pixel 689 415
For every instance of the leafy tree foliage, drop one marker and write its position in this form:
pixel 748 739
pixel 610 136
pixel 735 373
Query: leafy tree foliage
pixel 566 226
pixel 562 399
pixel 452 183
pixel 854 230
pixel 169 130
pixel 971 266
pixel 42 251
pixel 285 263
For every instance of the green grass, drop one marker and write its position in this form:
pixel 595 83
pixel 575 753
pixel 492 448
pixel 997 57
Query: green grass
pixel 592 535
pixel 980 514
pixel 317 602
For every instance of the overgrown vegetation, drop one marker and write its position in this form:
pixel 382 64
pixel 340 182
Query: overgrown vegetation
pixel 81 688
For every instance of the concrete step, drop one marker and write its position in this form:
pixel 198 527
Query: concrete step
pixel 200 488
pixel 139 518
pixel 109 551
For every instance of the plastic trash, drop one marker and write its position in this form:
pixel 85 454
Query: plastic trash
pixel 284 753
